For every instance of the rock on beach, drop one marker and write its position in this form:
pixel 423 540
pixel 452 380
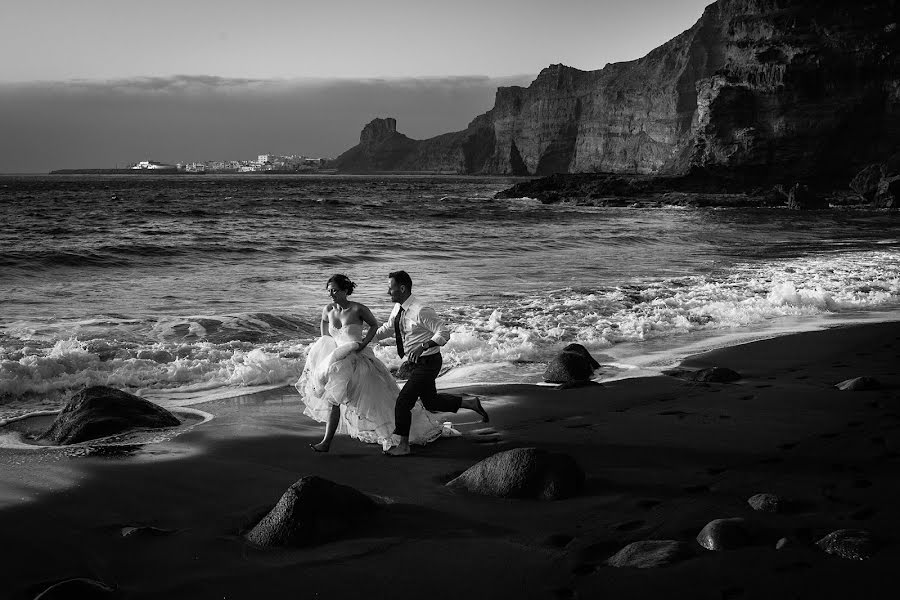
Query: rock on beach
pixel 858 384
pixel 852 544
pixel 523 473
pixel 101 411
pixel 647 554
pixel 312 511
pixel 725 534
pixel 572 367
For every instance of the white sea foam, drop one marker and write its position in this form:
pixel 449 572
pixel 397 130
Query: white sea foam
pixel 509 338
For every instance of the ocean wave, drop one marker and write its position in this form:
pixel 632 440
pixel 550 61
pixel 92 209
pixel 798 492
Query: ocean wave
pixel 73 364
pixel 533 327
pixel 47 259
pixel 244 327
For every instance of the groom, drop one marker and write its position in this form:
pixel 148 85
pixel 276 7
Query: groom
pixel 419 334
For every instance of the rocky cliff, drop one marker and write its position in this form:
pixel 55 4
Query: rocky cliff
pixel 757 89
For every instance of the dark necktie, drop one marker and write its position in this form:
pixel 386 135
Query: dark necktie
pixel 397 335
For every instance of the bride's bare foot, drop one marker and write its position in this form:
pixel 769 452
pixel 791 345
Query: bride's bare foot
pixel 320 447
pixel 398 450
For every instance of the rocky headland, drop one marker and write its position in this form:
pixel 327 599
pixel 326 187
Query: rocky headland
pixel 756 94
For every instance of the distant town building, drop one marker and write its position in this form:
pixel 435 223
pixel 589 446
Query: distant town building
pixel 152 164
pixel 294 163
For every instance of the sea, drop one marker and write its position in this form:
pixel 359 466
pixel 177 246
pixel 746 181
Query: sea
pixel 182 288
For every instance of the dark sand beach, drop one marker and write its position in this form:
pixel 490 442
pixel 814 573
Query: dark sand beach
pixel 662 456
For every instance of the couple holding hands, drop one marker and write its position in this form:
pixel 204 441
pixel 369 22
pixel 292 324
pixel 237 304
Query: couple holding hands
pixel 346 387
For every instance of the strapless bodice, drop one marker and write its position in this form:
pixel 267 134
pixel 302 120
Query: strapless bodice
pixel 347 333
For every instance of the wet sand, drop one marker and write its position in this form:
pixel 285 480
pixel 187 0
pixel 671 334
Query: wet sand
pixel 662 457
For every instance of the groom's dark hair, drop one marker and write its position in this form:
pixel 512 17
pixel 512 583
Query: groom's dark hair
pixel 402 278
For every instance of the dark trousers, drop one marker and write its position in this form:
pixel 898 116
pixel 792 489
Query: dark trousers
pixel 420 386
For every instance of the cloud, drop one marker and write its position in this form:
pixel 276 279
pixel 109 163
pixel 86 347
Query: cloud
pixel 91 123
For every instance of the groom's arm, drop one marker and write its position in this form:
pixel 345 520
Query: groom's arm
pixel 386 330
pixel 430 320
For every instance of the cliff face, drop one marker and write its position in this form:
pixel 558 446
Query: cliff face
pixel 797 88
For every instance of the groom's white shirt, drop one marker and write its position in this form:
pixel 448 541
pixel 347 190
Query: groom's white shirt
pixel 418 324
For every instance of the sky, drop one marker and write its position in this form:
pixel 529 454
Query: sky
pixel 96 83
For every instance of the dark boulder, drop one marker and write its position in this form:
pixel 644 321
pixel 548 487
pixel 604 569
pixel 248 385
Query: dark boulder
pixel 865 183
pixel 101 411
pixel 312 511
pixel 523 473
pixel 725 534
pixel 573 366
pixel 853 544
pixel 716 375
pixel 888 193
pixel 403 371
pixel 650 553
pixel 766 503
pixel 800 197
pixel 707 375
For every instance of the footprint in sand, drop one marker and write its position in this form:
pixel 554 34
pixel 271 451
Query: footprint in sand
pixel 629 525
pixel 488 435
pixel 489 441
pixel 597 551
pixel 558 540
pixel 675 413
pixel 647 503
pixel 792 567
pixel 696 489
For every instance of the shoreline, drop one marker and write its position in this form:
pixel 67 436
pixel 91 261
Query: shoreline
pixel 662 456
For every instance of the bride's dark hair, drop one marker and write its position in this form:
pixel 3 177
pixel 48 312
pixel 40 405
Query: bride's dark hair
pixel 342 281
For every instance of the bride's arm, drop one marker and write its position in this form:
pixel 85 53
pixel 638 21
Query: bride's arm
pixel 323 326
pixel 366 315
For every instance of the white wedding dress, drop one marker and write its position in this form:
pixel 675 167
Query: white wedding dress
pixel 363 387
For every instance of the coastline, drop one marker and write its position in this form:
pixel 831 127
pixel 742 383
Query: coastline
pixel 663 456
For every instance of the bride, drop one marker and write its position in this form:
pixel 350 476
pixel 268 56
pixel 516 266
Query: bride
pixel 345 386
